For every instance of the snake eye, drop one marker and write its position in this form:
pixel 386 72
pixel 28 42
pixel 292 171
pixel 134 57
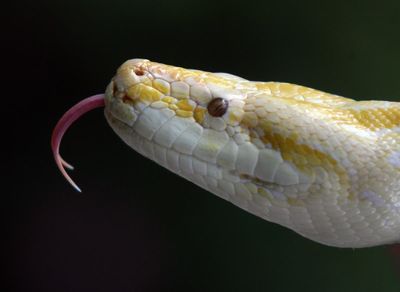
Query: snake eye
pixel 217 107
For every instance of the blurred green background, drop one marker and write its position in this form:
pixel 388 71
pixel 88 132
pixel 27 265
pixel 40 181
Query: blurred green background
pixel 136 226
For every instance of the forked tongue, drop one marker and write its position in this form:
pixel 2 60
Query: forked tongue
pixel 63 124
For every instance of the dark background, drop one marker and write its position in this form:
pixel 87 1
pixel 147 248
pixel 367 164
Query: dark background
pixel 136 226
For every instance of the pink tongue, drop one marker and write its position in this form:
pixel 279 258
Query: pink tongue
pixel 63 124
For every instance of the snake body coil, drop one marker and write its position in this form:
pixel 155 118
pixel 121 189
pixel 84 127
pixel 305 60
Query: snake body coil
pixel 322 165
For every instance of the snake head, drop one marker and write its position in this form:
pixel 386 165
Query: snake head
pixel 296 156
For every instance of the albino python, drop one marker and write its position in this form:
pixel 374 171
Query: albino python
pixel 322 165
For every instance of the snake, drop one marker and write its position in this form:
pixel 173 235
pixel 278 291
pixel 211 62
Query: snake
pixel 322 165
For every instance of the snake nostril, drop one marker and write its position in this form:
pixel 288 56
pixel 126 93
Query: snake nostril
pixel 139 72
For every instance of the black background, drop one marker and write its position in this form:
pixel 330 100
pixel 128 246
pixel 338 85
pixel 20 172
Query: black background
pixel 136 226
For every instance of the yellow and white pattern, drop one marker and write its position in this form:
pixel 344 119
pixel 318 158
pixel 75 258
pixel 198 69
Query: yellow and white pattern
pixel 322 165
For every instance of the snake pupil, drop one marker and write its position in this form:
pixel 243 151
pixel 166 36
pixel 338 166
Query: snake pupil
pixel 217 107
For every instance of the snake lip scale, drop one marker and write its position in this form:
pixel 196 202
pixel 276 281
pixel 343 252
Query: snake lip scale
pixel 325 166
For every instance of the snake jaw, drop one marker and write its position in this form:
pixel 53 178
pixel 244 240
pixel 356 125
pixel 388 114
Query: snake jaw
pixel 62 126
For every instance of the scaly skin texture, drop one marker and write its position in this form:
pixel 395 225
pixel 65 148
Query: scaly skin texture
pixel 322 165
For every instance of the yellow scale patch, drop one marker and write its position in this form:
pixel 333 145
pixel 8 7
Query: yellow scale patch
pixel 183 108
pixel 169 99
pixel 305 159
pixel 173 107
pixel 199 114
pixel 373 118
pixel 161 87
pixel 184 114
pixel 291 91
pixel 302 156
pixel 185 105
pixel 379 118
pixel 143 93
